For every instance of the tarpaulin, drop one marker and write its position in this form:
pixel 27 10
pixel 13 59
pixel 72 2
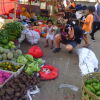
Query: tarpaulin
pixel 6 6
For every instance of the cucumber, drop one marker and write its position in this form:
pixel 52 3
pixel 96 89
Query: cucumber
pixel 98 93
pixel 89 87
pixel 97 87
pixel 95 80
pixel 89 81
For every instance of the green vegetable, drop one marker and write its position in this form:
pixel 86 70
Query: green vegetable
pixel 6 50
pixel 0 57
pixel 1 50
pixel 5 41
pixel 22 60
pixel 9 32
pixel 11 42
pixel 98 93
pixel 6 46
pixel 36 68
pixel 95 80
pixel 29 71
pixel 89 87
pixel 29 57
pixel 40 61
pixel 97 87
pixel 10 55
pixel 4 56
pixel 18 52
pixel 88 81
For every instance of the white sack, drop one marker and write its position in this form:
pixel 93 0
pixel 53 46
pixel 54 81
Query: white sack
pixel 87 60
pixel 32 36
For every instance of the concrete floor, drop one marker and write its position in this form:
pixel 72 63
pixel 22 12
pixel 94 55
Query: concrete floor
pixel 69 72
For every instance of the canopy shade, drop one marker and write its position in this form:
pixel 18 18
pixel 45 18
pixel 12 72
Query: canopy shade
pixel 6 6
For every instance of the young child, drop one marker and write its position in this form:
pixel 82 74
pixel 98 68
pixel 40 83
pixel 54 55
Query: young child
pixel 50 33
pixel 87 26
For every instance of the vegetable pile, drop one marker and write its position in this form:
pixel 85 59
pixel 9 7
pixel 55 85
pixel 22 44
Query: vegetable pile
pixel 10 32
pixel 32 64
pixel 93 85
pixel 7 54
pixel 16 89
pixel 8 45
pixel 4 76
pixel 42 18
pixel 9 66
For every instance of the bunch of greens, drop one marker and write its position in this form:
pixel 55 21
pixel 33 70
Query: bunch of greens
pixel 10 32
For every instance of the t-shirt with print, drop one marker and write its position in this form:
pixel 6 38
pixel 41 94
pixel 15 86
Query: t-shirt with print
pixel 88 26
pixel 50 30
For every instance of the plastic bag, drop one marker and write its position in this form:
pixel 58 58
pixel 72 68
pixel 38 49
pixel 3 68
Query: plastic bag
pixel 36 52
pixel 32 92
pixel 32 36
pixel 87 60
pixel 21 39
pixel 72 87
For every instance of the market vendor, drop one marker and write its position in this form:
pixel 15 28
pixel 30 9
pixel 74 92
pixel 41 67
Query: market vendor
pixel 71 36
pixel 25 14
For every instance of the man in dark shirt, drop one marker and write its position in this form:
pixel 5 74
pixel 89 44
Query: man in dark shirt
pixel 96 23
pixel 70 36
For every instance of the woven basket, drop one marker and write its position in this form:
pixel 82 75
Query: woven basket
pixel 86 94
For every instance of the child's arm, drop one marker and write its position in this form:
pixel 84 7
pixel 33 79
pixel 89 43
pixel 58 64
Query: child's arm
pixel 84 22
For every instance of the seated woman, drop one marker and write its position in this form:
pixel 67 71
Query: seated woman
pixel 24 14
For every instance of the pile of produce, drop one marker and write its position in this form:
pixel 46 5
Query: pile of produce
pixel 8 45
pixel 16 89
pixel 9 66
pixel 8 54
pixel 42 18
pixel 93 85
pixel 10 32
pixel 4 76
pixel 32 64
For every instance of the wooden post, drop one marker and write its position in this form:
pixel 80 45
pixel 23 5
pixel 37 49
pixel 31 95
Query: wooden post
pixel 15 5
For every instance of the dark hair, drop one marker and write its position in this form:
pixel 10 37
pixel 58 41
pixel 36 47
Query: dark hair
pixel 49 21
pixel 67 27
pixel 91 8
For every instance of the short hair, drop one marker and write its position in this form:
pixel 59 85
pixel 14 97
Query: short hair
pixel 49 21
pixel 91 8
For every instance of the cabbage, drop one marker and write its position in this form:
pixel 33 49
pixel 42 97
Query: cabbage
pixel 40 61
pixel 29 71
pixel 21 59
pixel 29 57
pixel 18 52
pixel 34 67
pixel 1 50
pixel 10 55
